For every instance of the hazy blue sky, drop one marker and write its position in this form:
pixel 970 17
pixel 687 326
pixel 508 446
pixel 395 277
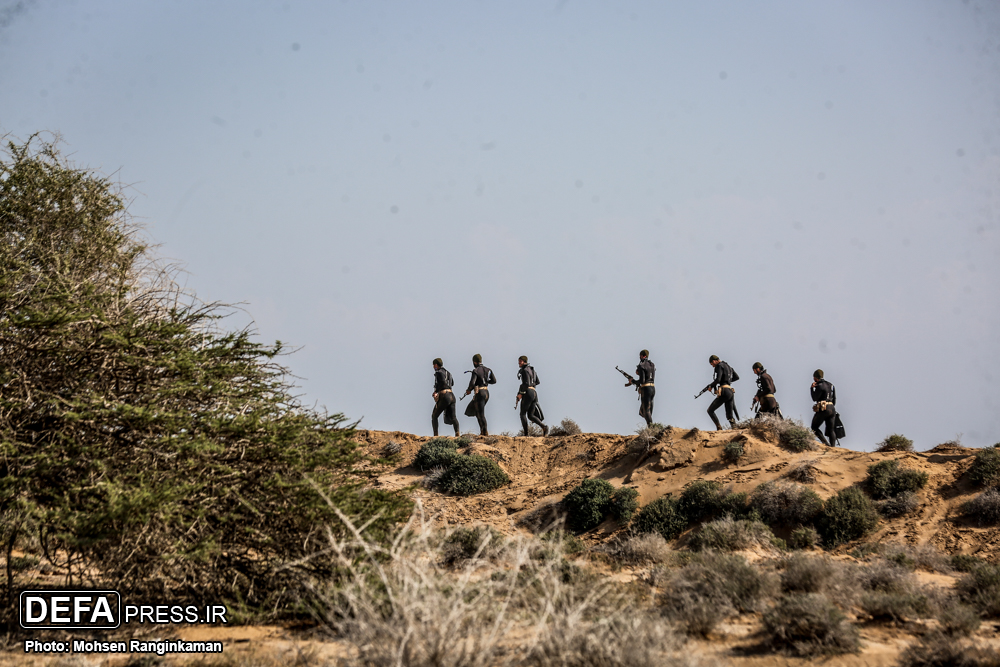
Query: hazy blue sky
pixel 804 184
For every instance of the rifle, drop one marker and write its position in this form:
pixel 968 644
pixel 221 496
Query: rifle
pixel 707 387
pixel 630 379
pixel 516 401
pixel 465 394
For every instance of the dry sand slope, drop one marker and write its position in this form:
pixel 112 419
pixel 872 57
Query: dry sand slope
pixel 543 470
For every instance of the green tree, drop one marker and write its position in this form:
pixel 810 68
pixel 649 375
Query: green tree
pixel 142 445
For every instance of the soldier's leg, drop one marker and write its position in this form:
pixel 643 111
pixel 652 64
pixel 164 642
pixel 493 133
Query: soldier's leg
pixel 716 404
pixel 533 411
pixel 435 413
pixel 831 423
pixel 525 402
pixel 449 412
pixel 818 419
pixel 730 399
pixel 647 399
pixel 481 399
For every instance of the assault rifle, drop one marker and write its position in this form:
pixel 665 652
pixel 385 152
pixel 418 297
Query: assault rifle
pixel 465 394
pixel 707 388
pixel 630 379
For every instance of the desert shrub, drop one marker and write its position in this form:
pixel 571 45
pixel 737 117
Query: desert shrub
pixel 805 472
pixel 905 503
pixel 624 504
pixel 736 505
pixel 566 427
pixel 392 448
pixel 588 504
pixel 981 589
pixel 712 587
pixel 472 474
pixel 466 543
pixel 847 516
pixel 700 499
pixel 463 441
pixel 936 649
pixel 144 444
pixel 433 477
pixel 786 504
pixel 958 619
pixel 895 606
pixel 895 443
pixel 733 450
pixel 804 537
pixel 728 534
pixel 809 574
pixel 984 508
pixel 887 479
pixel 624 640
pixel 645 437
pixel 808 624
pixel 985 468
pixel 965 562
pixel 435 453
pixel 886 577
pixel 642 548
pixel 795 436
pixel 661 516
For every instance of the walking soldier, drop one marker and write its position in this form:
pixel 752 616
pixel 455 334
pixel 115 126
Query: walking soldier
pixel 646 372
pixel 479 383
pixel 765 392
pixel 444 397
pixel 724 395
pixel 528 397
pixel 825 407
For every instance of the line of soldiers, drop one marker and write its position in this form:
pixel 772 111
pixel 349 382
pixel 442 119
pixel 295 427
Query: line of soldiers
pixel 822 392
pixel 482 378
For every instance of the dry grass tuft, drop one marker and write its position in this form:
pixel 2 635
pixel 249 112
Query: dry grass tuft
pixel 566 427
pixel 643 548
pixel 806 472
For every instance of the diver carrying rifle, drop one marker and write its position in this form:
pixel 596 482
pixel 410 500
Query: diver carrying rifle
pixel 724 394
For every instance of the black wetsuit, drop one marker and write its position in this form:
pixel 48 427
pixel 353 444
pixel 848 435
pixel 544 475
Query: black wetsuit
pixel 765 394
pixel 645 372
pixel 530 409
pixel 481 377
pixel 445 400
pixel 824 391
pixel 723 379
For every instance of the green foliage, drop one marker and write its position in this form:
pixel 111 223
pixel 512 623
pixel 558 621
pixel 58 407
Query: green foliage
pixel 895 443
pixel 478 542
pixel 786 504
pixel 588 504
pixel 847 516
pixel 733 450
pixel 142 442
pixel 435 453
pixel 958 619
pixel 804 537
pixel 624 504
pixel 736 505
pixel 700 500
pixel 895 606
pixel 985 468
pixel 808 624
pixel 796 437
pixel 905 503
pixel 937 649
pixel 472 474
pixel 661 516
pixel 888 479
pixel 965 562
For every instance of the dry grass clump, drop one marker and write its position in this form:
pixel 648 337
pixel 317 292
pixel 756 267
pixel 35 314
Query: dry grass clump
pixel 981 589
pixel 764 427
pixel 984 508
pixel 819 574
pixel 985 469
pixel 566 427
pixel 712 587
pixel 734 450
pixel 433 477
pixel 892 592
pixel 895 443
pixel 964 562
pixel 391 448
pixel 958 619
pixel 786 504
pixel 808 624
pixel 806 472
pixel 729 534
pixel 399 605
pixel 643 548
pixel 470 543
pixel 905 503
pixel 937 649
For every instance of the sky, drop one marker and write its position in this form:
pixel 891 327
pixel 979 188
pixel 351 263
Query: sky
pixel 804 184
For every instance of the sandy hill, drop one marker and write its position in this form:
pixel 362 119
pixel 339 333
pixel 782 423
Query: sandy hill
pixel 543 470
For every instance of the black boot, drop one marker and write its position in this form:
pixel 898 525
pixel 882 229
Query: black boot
pixel 819 436
pixel 545 430
pixel 718 426
pixel 732 423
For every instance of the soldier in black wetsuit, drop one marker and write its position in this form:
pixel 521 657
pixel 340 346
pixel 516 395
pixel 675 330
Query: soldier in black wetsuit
pixel 645 372
pixel 825 396
pixel 765 392
pixel 481 378
pixel 724 394
pixel 526 394
pixel 444 397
